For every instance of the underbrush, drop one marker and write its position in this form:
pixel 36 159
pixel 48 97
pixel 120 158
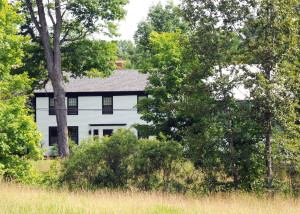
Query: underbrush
pixel 125 163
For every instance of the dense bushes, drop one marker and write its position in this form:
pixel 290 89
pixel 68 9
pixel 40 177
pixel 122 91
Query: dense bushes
pixel 121 161
pixel 101 162
pixel 156 158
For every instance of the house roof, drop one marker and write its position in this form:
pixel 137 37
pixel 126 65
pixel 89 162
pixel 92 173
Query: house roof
pixel 119 81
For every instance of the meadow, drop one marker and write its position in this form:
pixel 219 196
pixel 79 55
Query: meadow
pixel 16 198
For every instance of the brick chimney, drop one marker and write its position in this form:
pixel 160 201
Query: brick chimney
pixel 120 65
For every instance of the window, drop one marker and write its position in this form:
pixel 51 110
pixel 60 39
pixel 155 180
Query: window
pixel 72 133
pixel 53 136
pixel 96 132
pixel 107 105
pixel 107 132
pixel 138 100
pixel 51 106
pixel 72 105
pixel 142 136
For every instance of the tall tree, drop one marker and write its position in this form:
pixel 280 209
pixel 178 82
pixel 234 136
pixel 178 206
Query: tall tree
pixel 159 19
pixel 268 33
pixel 167 74
pixel 215 47
pixel 79 58
pixel 10 43
pixel 273 42
pixel 63 22
pixel 19 138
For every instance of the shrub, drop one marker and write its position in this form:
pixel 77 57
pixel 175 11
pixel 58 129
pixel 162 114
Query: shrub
pixel 154 157
pixel 101 162
pixel 19 138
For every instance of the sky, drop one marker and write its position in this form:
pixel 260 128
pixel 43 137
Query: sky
pixel 137 10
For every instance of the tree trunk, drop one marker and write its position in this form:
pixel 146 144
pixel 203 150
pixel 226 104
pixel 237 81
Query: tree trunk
pixel 53 58
pixel 269 163
pixel 232 153
pixel 269 32
pixel 58 88
pixel 268 148
pixel 61 113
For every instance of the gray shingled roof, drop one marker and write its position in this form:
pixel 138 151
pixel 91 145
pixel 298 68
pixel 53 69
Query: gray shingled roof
pixel 120 80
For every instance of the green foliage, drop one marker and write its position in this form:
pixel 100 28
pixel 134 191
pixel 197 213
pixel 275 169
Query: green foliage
pixel 80 18
pixel 126 49
pixel 10 42
pixel 260 32
pixel 122 161
pixel 89 57
pixel 101 162
pixel 80 56
pixel 19 138
pixel 34 64
pixel 87 13
pixel 165 83
pixel 153 157
pixel 51 177
pixel 72 148
pixel 159 19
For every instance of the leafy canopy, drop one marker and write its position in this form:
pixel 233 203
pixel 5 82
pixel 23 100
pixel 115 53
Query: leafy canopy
pixel 19 138
pixel 10 41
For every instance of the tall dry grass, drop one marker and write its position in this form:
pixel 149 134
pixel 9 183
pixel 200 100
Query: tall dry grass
pixel 25 199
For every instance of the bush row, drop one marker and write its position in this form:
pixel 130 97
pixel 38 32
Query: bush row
pixel 123 161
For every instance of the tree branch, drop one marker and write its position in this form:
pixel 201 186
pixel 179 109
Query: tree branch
pixel 50 14
pixel 81 36
pixel 45 34
pixel 29 5
pixel 56 39
pixel 64 37
pixel 42 17
pixel 63 13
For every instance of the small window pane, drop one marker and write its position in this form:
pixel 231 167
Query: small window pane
pixel 51 100
pixel 53 136
pixel 107 105
pixel 96 132
pixel 73 133
pixel 107 101
pixel 72 106
pixel 72 101
pixel 51 106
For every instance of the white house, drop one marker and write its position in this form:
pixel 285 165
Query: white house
pixel 95 106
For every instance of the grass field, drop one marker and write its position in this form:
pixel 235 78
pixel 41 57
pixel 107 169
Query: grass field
pixel 42 165
pixel 25 199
